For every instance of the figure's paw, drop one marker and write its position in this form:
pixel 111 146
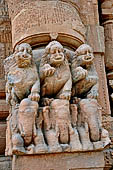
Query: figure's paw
pixel 93 94
pixel 48 70
pixel 79 74
pixel 23 134
pixel 65 96
pixel 34 96
pixel 8 98
pixel 92 79
pixel 47 101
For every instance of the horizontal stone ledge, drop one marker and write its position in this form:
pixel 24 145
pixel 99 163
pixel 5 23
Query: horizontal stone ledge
pixel 62 161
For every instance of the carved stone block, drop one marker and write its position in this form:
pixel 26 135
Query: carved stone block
pixel 66 116
pixel 66 161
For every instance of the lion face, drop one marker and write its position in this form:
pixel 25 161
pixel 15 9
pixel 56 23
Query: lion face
pixel 85 55
pixel 23 55
pixel 56 55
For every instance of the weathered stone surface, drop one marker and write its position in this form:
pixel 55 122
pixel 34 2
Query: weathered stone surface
pixel 69 161
pixel 21 75
pixel 4 109
pixel 68 116
pixel 108 27
pixel 89 12
pixel 69 26
pixel 103 97
pixel 2 88
pixel 95 37
pixel 84 75
pixel 2 137
pixel 54 69
pixel 107 10
pixel 5 163
pixel 38 23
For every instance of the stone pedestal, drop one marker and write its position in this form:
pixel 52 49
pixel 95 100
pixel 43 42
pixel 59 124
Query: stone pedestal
pixel 65 161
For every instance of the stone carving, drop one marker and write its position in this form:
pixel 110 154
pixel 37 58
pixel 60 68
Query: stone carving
pixel 85 86
pixel 22 81
pixel 55 110
pixel 22 77
pixel 55 75
pixel 84 74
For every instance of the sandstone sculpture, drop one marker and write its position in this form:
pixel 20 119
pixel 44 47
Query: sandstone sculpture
pixel 66 116
pixel 22 77
pixel 85 86
pixel 84 74
pixel 22 81
pixel 55 74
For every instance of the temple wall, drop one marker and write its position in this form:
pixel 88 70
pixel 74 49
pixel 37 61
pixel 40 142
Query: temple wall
pixel 73 23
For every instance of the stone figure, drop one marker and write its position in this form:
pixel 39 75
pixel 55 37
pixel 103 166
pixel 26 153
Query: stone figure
pixel 55 75
pixel 56 84
pixel 67 118
pixel 59 132
pixel 85 79
pixel 89 113
pixel 85 87
pixel 26 120
pixel 22 78
pixel 22 81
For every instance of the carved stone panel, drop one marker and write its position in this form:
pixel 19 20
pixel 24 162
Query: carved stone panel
pixel 32 22
pixel 53 105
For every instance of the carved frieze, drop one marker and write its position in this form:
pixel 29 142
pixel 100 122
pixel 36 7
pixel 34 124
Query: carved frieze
pixel 32 22
pixel 53 106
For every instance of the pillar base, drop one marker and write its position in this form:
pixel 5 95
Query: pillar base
pixel 62 161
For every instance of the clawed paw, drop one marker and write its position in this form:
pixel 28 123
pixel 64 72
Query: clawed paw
pixel 34 96
pixel 65 96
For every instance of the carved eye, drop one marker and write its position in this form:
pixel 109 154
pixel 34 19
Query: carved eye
pixel 29 51
pixel 21 49
pixel 60 50
pixel 52 51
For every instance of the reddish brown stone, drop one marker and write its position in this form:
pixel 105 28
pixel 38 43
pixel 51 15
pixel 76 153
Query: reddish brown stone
pixel 2 137
pixel 70 32
pixel 4 109
pixel 66 161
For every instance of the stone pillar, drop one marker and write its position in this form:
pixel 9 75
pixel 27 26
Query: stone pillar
pixel 72 23
pixel 5 50
pixel 107 22
pixel 37 22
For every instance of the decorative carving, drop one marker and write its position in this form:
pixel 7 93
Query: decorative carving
pixel 55 75
pixel 67 117
pixel 22 81
pixel 22 77
pixel 85 86
pixel 46 19
pixel 84 74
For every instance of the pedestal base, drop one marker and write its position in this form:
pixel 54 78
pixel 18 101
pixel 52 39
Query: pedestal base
pixel 62 161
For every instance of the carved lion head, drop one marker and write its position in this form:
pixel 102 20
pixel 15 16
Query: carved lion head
pixel 23 55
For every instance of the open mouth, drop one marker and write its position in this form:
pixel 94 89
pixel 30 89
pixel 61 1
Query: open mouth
pixel 88 58
pixel 58 58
